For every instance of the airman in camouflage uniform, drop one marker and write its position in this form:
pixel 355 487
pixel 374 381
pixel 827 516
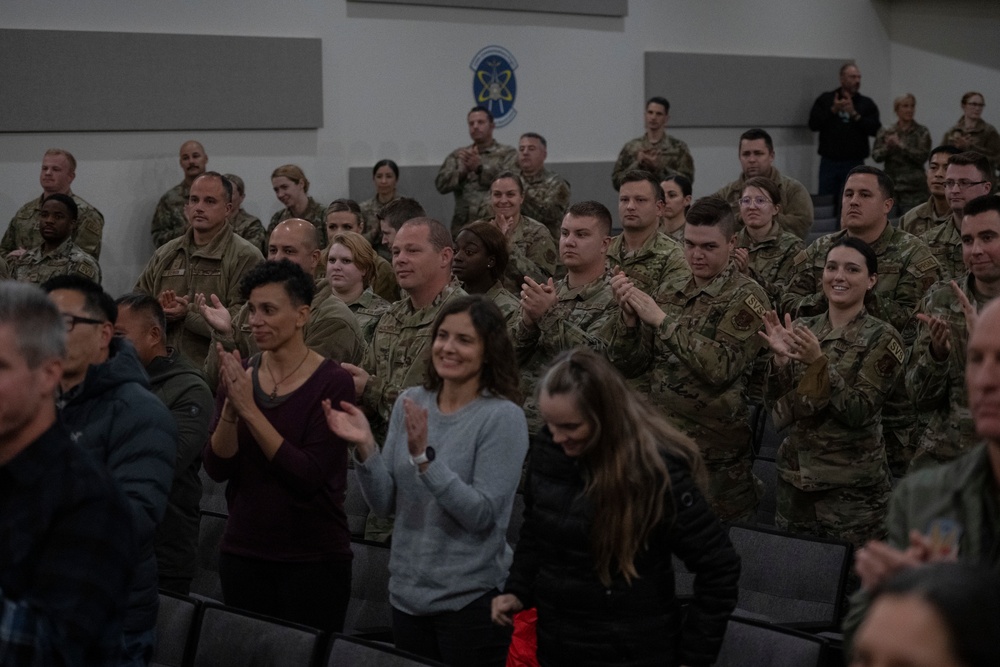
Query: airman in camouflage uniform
pixel 23 229
pixel 369 210
pixel 834 478
pixel 579 317
pixel 697 361
pixel 332 330
pixel 937 386
pixel 469 171
pixel 169 221
pixel 904 152
pixel 906 270
pixel 38 266
pixel 508 304
pixel 546 198
pixel 655 151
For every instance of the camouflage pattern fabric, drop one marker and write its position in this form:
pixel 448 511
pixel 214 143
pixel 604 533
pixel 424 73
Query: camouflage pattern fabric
pixel 314 213
pixel 23 229
pixel 37 266
pixel 546 198
pixel 250 228
pixel 921 218
pixel 472 188
pixel 905 164
pixel 674 158
pixel 796 214
pixel 945 243
pixel 169 222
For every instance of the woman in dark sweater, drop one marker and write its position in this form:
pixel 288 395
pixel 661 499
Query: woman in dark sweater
pixel 286 551
pixel 610 499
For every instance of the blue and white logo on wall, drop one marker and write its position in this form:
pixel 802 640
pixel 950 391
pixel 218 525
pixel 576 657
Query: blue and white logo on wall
pixel 494 85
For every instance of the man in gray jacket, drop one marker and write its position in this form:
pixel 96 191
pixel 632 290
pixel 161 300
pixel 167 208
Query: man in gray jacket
pixel 106 405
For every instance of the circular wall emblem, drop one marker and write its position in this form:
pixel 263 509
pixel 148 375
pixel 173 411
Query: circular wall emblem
pixel 494 85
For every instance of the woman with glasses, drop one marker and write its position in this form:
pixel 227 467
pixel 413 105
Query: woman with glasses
pixel 904 148
pixel 827 380
pixel 972 133
pixel 764 251
pixel 676 202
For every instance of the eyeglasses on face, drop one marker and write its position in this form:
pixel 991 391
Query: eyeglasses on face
pixel 757 201
pixel 71 321
pixel 963 184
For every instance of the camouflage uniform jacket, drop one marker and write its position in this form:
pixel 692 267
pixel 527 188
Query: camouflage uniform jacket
pixel 23 229
pixel 771 259
pixel 546 198
pixel 215 268
pixel 4 269
pixel 369 210
pixel 399 352
pixel 472 189
pixel 905 165
pixel 314 213
pixel 906 269
pixel 532 253
pixel 168 220
pixel 938 387
pixel 581 316
pixel 384 283
pixel 983 139
pixel 699 357
pixel 509 305
pixel 698 363
pixel 919 219
pixel 834 405
pixel 249 227
pixel 332 331
pixel 369 308
pixel 796 214
pixel 675 158
pixel 37 266
pixel 945 243
pixel 656 262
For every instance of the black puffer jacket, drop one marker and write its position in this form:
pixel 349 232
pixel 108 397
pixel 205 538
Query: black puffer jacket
pixel 580 621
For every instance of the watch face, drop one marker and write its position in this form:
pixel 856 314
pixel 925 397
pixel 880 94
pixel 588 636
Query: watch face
pixel 429 453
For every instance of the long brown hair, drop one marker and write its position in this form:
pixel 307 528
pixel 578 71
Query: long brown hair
pixel 627 480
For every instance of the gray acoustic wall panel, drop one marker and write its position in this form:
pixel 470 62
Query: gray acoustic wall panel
pixel 113 81
pixel 584 7
pixel 709 90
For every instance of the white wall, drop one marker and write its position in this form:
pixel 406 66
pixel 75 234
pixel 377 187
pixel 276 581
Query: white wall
pixel 397 84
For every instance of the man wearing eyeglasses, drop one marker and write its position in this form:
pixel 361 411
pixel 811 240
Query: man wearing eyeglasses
pixel 106 405
pixel 756 153
pixel 967 177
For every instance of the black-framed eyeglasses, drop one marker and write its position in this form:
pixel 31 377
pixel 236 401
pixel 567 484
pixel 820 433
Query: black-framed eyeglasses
pixel 963 184
pixel 72 320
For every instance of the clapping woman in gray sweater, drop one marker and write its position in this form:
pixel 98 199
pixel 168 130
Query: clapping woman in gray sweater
pixel 448 470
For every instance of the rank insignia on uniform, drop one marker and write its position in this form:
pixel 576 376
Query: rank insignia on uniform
pixel 494 85
pixel 886 365
pixel 743 319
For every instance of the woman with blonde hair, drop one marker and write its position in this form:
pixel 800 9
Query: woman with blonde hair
pixel 904 148
pixel 291 187
pixel 610 498
pixel 350 270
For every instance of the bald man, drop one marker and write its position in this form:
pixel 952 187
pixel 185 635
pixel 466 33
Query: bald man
pixel 169 221
pixel 332 330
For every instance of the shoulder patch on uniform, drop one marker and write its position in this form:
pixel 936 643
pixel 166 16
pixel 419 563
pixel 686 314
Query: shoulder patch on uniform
pixel 800 258
pixel 755 305
pixel 86 270
pixel 928 264
pixel 896 350
pixel 886 365
pixel 743 319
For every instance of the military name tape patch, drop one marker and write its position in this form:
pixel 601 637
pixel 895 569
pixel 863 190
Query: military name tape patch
pixel 494 85
pixel 755 305
pixel 897 350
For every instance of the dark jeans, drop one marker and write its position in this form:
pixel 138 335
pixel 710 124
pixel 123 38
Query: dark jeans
pixel 456 638
pixel 313 594
pixel 833 176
